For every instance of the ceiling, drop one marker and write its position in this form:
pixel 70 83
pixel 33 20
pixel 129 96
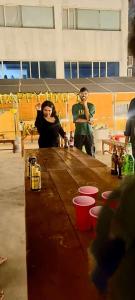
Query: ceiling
pixel 94 85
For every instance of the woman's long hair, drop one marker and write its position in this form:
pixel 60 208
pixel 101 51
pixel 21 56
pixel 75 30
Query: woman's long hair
pixel 131 109
pixel 51 105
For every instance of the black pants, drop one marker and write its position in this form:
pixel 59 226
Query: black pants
pixel 86 141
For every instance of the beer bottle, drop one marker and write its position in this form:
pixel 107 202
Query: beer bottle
pixel 120 160
pixel 35 177
pixel 66 142
pixel 129 160
pixel 114 161
pixel 124 163
pixel 28 165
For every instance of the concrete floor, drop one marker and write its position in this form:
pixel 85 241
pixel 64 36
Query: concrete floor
pixel 12 222
pixel 12 226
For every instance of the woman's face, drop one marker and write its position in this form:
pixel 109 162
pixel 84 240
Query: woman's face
pixel 47 111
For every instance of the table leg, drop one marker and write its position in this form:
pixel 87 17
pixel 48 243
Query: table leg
pixel 14 146
pixel 103 147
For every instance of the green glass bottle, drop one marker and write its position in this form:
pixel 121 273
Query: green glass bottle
pixel 128 161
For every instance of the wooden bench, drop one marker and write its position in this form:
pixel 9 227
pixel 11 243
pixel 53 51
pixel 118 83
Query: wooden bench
pixel 8 141
pixel 111 143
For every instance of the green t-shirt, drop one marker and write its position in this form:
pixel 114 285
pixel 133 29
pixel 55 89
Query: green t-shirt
pixel 78 113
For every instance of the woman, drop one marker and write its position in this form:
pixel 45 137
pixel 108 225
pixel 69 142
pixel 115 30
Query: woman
pixel 48 125
pixel 130 126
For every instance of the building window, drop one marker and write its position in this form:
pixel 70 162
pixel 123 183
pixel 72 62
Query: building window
pixel 34 69
pixel 85 69
pixel 72 18
pixel 47 69
pixel 74 70
pixel 2 22
pixel 110 20
pixel 102 69
pixel 91 69
pixel 11 69
pixel 37 16
pixel 69 18
pixel 95 69
pixel 12 16
pixel 25 70
pixel 112 69
pixel 67 70
pixel 88 19
pixel 65 18
pixel 1 73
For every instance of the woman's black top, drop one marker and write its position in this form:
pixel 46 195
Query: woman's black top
pixel 48 132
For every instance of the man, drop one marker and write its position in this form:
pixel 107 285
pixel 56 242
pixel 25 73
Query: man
pixel 82 116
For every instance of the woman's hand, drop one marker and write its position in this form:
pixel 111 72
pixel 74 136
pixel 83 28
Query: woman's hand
pixel 38 106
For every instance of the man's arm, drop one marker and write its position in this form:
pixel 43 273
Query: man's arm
pixel 127 132
pixel 76 118
pixel 79 120
pixel 86 111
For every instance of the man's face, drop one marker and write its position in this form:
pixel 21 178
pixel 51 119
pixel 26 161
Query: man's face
pixel 83 96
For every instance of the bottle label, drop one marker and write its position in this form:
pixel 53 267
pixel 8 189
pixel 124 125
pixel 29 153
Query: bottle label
pixel 36 183
pixel 35 178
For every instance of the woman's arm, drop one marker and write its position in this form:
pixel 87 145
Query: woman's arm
pixel 61 131
pixel 38 121
pixel 126 140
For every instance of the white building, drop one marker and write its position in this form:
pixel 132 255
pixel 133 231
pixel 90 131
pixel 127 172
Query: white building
pixel 63 38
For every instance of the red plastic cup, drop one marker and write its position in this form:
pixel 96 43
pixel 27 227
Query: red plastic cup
pixel 82 206
pixel 113 203
pixel 88 190
pixel 106 194
pixel 94 213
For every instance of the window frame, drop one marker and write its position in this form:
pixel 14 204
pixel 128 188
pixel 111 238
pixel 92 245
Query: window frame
pixel 76 27
pixel 39 27
pixel 20 14
pixel 92 73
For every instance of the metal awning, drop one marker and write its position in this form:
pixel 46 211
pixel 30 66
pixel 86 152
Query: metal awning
pixel 94 85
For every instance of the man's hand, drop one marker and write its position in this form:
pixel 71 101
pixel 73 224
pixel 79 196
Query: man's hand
pixel 84 102
pixel 91 122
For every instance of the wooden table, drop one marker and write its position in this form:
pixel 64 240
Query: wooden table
pixel 57 262
pixel 111 143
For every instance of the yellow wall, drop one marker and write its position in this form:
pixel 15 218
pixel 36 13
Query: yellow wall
pixel 7 124
pixel 104 104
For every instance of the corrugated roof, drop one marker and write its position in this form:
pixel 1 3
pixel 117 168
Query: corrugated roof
pixel 94 85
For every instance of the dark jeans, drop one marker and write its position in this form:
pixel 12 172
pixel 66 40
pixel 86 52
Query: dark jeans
pixel 86 141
